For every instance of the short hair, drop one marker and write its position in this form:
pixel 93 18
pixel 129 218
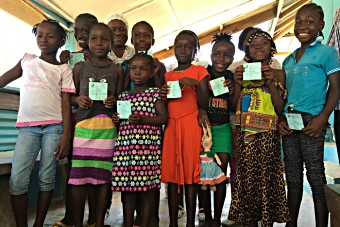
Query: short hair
pixel 145 23
pixel 106 27
pixel 60 30
pixel 222 37
pixel 243 36
pixel 313 6
pixel 143 55
pixel 266 35
pixel 87 16
pixel 193 34
pixel 116 16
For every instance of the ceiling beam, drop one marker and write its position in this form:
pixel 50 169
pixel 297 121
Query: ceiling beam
pixel 288 28
pixel 275 20
pixel 284 24
pixel 238 24
pixel 293 8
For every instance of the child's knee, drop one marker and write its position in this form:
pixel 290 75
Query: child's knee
pixel 18 184
pixel 47 180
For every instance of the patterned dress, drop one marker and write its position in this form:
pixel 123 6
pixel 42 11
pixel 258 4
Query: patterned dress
pixel 137 156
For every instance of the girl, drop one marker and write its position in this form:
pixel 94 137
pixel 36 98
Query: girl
pixel 137 159
pixel 119 51
pixel 44 119
pixel 309 69
pixel 82 25
pixel 94 131
pixel 182 135
pixel 259 190
pixel 143 39
pixel 222 55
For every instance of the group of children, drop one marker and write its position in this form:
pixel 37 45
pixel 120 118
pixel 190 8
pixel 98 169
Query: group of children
pixel 134 155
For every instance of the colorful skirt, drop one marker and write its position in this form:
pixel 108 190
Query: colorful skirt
pixel 93 148
pixel 211 173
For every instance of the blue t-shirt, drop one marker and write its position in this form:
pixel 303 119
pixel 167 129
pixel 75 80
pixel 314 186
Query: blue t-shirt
pixel 307 79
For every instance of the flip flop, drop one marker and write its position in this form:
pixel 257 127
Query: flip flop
pixel 60 224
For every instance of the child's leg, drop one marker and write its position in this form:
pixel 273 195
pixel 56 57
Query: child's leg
pixel 313 150
pixel 26 151
pixel 294 174
pixel 205 204
pixel 173 203
pixel 190 203
pixel 102 192
pixel 91 192
pixel 78 200
pixel 148 201
pixel 129 206
pixel 337 130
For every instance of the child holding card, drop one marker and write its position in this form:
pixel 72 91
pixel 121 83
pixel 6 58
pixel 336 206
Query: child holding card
pixel 182 135
pixel 137 158
pixel 310 70
pixel 222 55
pixel 259 190
pixel 94 132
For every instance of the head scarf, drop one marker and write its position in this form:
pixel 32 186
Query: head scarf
pixel 116 16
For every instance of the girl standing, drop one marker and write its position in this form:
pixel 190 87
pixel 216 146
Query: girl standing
pixel 182 135
pixel 222 55
pixel 94 132
pixel 259 190
pixel 44 119
pixel 309 70
pixel 137 159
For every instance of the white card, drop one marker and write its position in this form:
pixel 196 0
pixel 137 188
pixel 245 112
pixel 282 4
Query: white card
pixel 175 90
pixel 295 121
pixel 98 90
pixel 124 109
pixel 252 71
pixel 217 86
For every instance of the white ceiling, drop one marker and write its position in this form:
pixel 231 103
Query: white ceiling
pixel 167 17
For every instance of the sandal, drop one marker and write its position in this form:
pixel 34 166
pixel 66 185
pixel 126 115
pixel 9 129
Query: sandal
pixel 180 211
pixel 201 214
pixel 60 224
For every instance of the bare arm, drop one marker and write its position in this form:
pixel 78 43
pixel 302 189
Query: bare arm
pixel 76 100
pixel 120 82
pixel 11 75
pixel 238 78
pixel 63 147
pixel 269 74
pixel 160 119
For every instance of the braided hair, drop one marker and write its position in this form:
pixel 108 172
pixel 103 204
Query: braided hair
pixel 243 36
pixel 88 17
pixel 60 30
pixel 266 35
pixel 222 37
pixel 317 8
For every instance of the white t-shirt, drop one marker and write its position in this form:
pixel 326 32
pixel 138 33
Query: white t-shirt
pixel 40 92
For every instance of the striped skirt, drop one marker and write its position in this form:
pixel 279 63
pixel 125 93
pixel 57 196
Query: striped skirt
pixel 93 147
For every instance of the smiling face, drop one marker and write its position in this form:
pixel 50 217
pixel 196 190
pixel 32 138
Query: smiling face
pixel 120 33
pixel 100 41
pixel 140 71
pixel 307 25
pixel 259 48
pixel 142 37
pixel 48 39
pixel 81 32
pixel 222 55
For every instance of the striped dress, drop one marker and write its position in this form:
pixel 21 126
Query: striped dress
pixel 93 147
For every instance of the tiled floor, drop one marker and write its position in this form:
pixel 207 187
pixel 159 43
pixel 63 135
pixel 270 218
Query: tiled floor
pixel 115 219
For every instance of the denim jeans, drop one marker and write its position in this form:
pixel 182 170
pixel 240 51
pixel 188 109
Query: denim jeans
pixel 31 141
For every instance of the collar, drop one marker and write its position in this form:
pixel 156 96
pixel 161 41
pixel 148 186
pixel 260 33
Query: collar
pixel 314 44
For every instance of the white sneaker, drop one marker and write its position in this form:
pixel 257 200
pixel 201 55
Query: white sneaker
pixel 227 222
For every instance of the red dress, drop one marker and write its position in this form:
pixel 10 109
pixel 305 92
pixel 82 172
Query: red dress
pixel 183 134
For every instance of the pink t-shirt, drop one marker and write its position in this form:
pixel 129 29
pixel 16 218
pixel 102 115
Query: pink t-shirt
pixel 40 92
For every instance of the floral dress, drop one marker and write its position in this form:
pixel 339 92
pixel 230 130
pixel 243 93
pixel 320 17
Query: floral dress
pixel 137 156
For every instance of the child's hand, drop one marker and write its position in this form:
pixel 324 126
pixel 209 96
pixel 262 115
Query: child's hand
pixel 267 74
pixel 115 117
pixel 87 54
pixel 283 128
pixel 63 148
pixel 157 66
pixel 203 118
pixel 238 75
pixel 135 119
pixel 64 56
pixel 165 91
pixel 315 127
pixel 110 101
pixel 228 83
pixel 84 101
pixel 186 81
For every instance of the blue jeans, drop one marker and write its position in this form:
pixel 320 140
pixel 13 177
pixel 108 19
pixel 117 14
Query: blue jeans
pixel 31 141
